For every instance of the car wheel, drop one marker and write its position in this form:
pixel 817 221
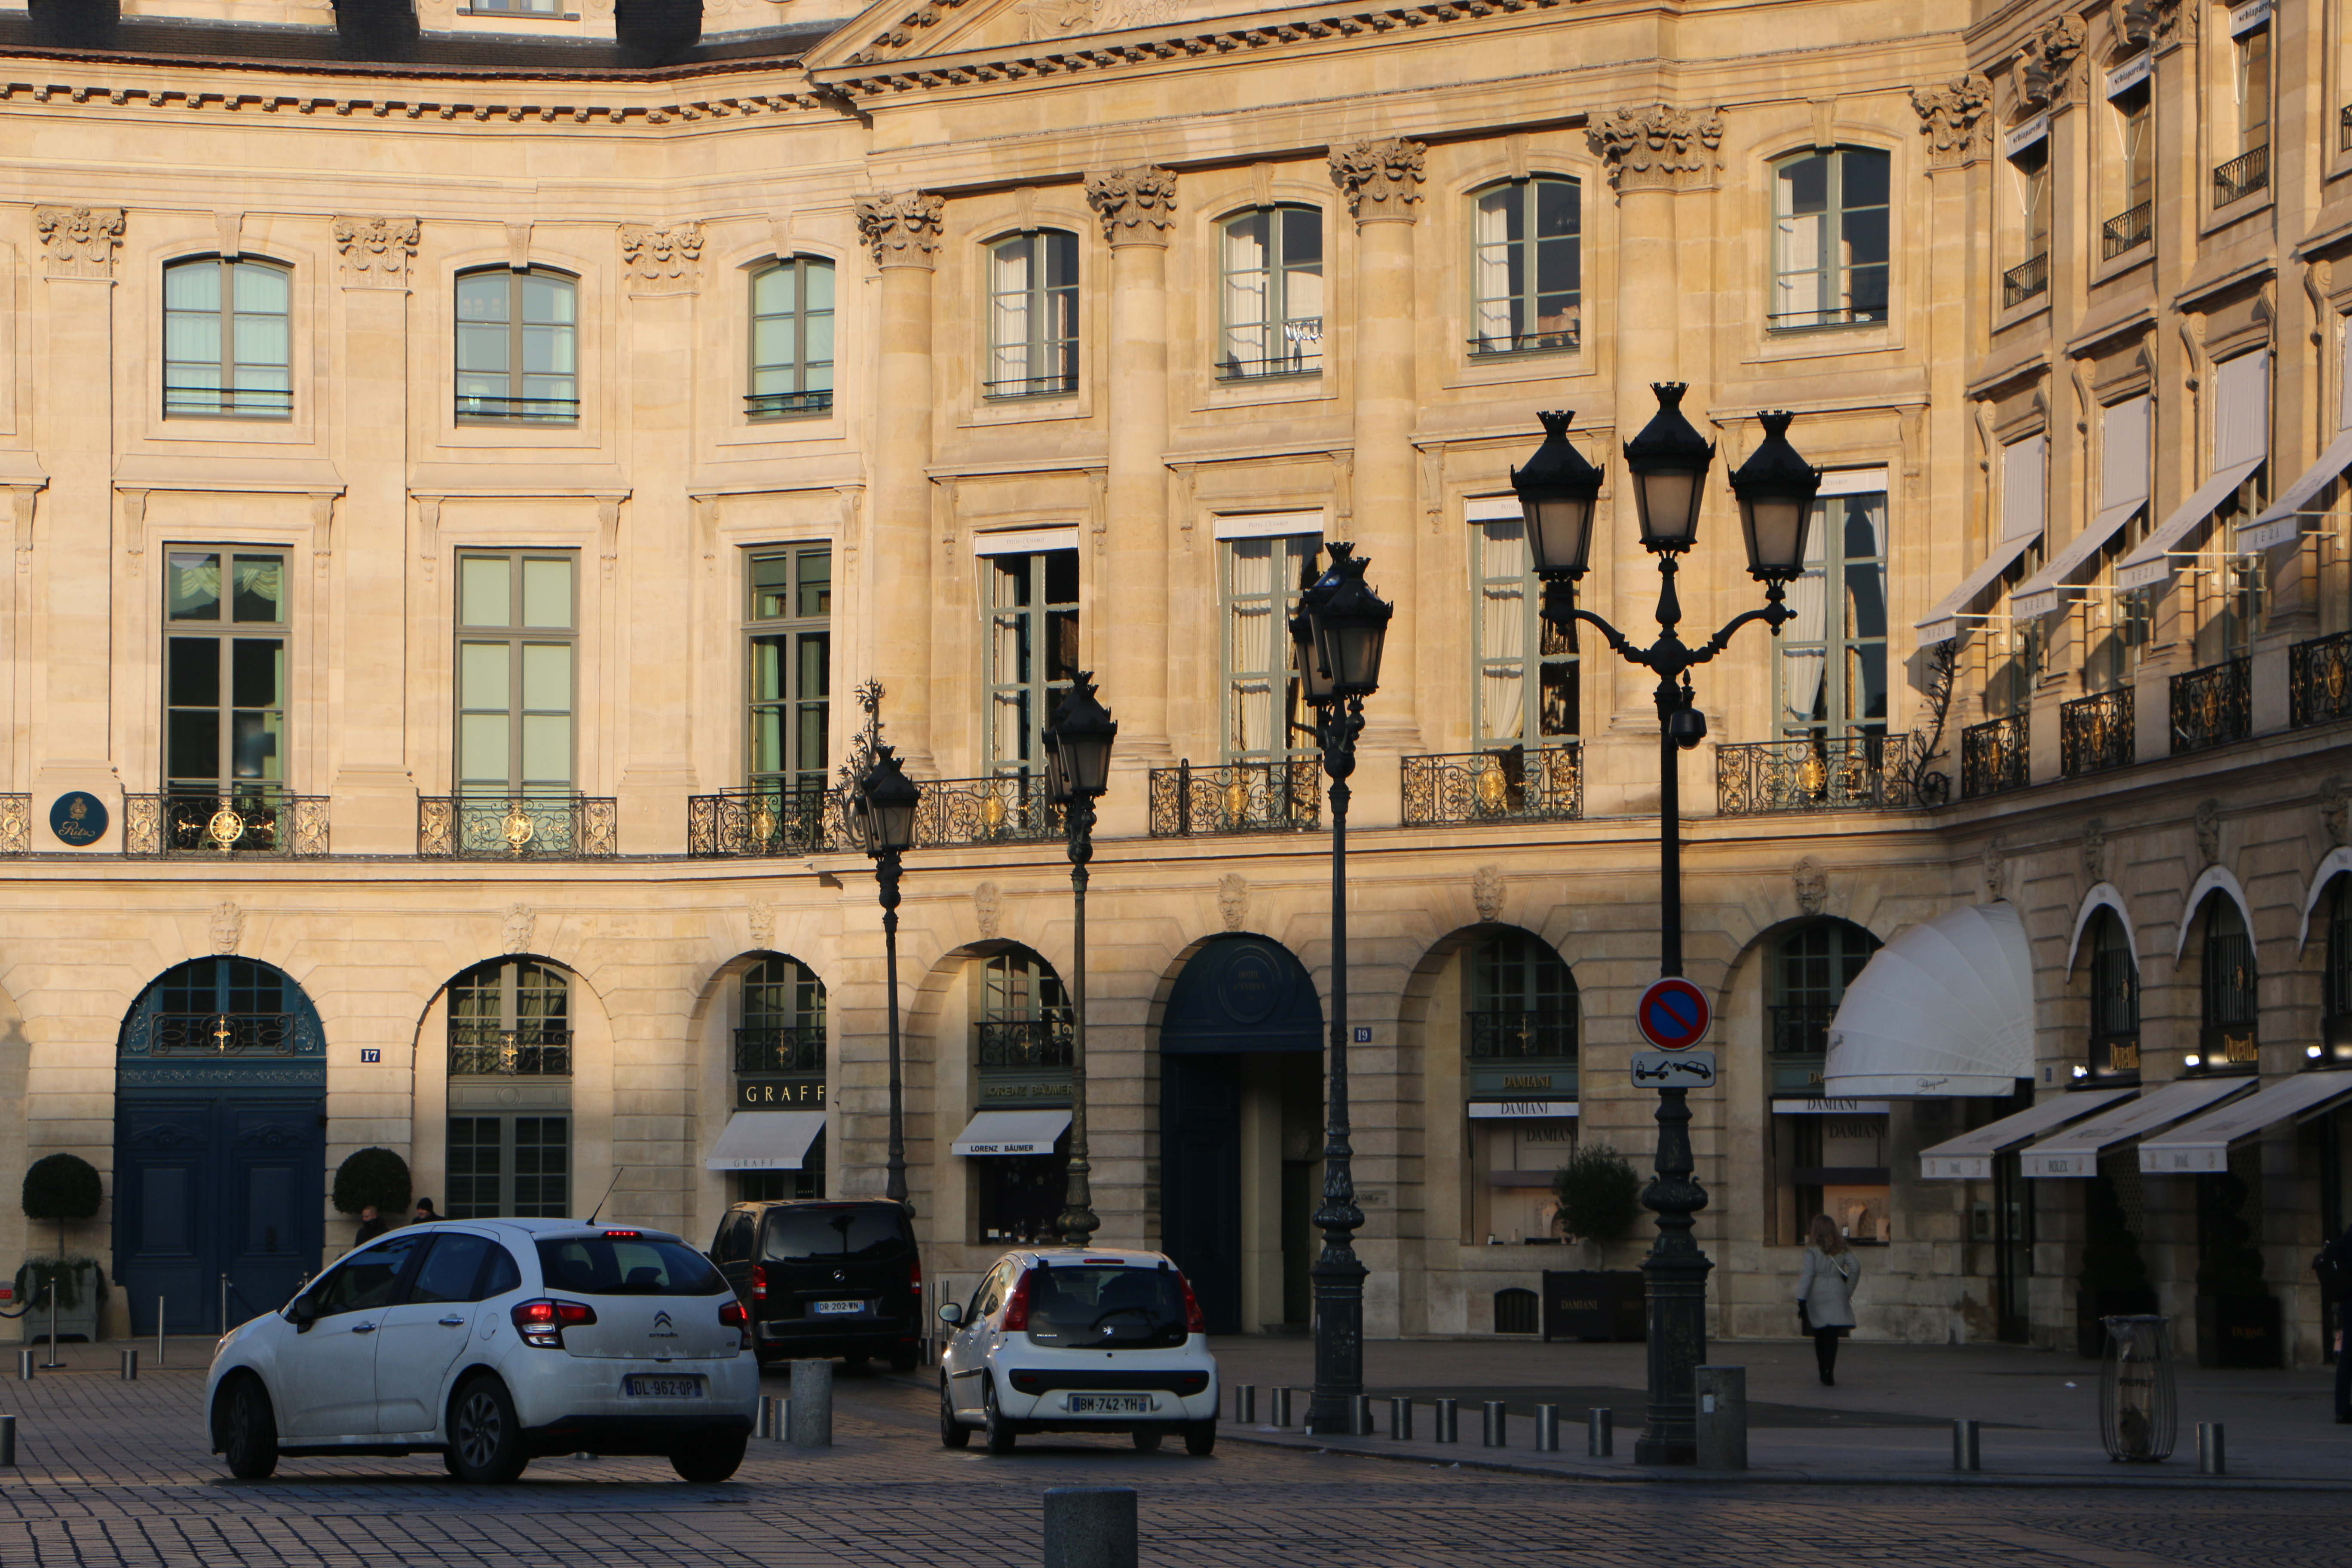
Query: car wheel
pixel 1147 1439
pixel 484 1433
pixel 905 1360
pixel 999 1430
pixel 953 1433
pixel 712 1459
pixel 250 1433
pixel 1201 1438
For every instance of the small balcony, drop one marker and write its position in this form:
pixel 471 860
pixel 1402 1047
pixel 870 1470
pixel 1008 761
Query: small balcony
pixel 776 1049
pixel 533 1050
pixel 186 824
pixel 1814 773
pixel 2120 236
pixel 2096 733
pixel 2242 176
pixel 2212 706
pixel 2319 682
pixel 1993 757
pixel 1023 1044
pixel 192 402
pixel 2024 280
pixel 1236 797
pixel 1505 785
pixel 480 408
pixel 1010 808
pixel 737 823
pixel 761 406
pixel 1057 386
pixel 523 827
pixel 1505 1036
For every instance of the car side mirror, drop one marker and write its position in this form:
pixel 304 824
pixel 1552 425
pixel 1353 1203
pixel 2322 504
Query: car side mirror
pixel 301 1315
pixel 950 1313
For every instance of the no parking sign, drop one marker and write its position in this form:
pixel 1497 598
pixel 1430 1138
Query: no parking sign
pixel 1672 1014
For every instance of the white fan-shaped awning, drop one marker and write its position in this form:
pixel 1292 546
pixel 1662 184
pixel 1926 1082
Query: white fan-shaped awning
pixel 1947 1009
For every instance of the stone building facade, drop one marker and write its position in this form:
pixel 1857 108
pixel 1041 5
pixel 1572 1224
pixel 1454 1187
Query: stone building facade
pixel 458 489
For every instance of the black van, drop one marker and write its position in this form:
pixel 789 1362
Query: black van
pixel 822 1279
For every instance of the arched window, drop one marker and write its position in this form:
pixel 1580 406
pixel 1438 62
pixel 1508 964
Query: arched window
pixel 1812 966
pixel 792 340
pixel 2226 991
pixel 1273 294
pixel 510 1046
pixel 1830 239
pixel 2114 1004
pixel 1521 1002
pixel 1033 315
pixel 1019 1141
pixel 1024 1012
pixel 1828 1156
pixel 779 1066
pixel 227 346
pixel 512 1017
pixel 518 347
pixel 1527 266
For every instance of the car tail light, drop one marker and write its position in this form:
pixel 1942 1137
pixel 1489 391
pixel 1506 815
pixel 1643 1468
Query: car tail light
pixel 1016 1306
pixel 630 1234
pixel 542 1322
pixel 1195 1323
pixel 759 1281
pixel 914 1277
pixel 732 1315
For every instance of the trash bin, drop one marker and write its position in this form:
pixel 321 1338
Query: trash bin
pixel 2137 1417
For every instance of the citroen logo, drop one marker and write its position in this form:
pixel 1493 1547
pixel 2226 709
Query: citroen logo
pixel 662 1328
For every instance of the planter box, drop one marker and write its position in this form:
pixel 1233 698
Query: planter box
pixel 2239 1331
pixel 1593 1304
pixel 2090 1306
pixel 78 1321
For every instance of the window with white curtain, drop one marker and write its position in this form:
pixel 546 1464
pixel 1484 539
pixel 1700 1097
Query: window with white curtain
pixel 1273 294
pixel 1527 669
pixel 1032 652
pixel 1527 266
pixel 792 340
pixel 1033 315
pixel 1830 682
pixel 1830 239
pixel 1260 582
pixel 226 343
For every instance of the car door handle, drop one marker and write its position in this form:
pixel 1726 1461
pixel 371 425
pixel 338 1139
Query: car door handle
pixel 452 1323
pixel 363 1328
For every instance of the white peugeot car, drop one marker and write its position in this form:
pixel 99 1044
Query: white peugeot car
pixel 1066 1340
pixel 492 1342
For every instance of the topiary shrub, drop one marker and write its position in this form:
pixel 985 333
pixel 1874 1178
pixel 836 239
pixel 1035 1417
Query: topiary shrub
pixel 1600 1195
pixel 373 1176
pixel 62 1187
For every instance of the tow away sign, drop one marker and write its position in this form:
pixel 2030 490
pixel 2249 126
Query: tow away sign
pixel 1674 1069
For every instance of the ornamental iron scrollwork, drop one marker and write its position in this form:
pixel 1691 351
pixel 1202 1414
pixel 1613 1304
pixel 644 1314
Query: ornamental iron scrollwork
pixel 16 824
pixel 1505 784
pixel 1800 1028
pixel 1517 1035
pixel 1815 773
pixel 2096 733
pixel 1024 1043
pixel 204 824
pixel 1008 809
pixel 2319 677
pixel 485 1050
pixel 519 827
pixel 1236 797
pixel 223 1035
pixel 1993 757
pixel 779 1048
pixel 760 822
pixel 2212 706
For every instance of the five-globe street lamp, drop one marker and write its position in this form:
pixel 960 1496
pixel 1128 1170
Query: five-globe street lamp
pixel 1336 639
pixel 1077 772
pixel 1557 491
pixel 882 823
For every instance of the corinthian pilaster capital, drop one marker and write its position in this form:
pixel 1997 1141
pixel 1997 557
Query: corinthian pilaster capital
pixel 376 251
pixel 1136 205
pixel 1656 148
pixel 1952 119
pixel 1380 179
pixel 661 260
pixel 902 231
pixel 80 242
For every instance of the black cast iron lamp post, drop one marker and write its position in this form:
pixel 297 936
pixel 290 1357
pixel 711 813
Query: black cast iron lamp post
pixel 1337 636
pixel 882 815
pixel 1775 486
pixel 1077 772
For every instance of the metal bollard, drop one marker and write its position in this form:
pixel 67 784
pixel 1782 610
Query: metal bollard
pixel 811 1416
pixel 1966 1454
pixel 1600 1434
pixel 225 1324
pixel 1494 1425
pixel 24 1367
pixel 1245 1403
pixel 2212 1458
pixel 1448 1421
pixel 1401 1420
pixel 7 1442
pixel 1090 1527
pixel 1547 1428
pixel 1722 1418
pixel 1281 1406
pixel 158 1331
pixel 1360 1417
pixel 130 1366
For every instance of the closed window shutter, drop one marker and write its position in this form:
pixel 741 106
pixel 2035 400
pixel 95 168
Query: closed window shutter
pixel 2124 466
pixel 2241 409
pixel 2022 487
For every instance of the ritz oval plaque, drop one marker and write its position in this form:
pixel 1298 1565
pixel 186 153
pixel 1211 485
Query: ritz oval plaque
pixel 77 818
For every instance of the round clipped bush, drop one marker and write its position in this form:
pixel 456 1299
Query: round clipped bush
pixel 62 1187
pixel 373 1176
pixel 1600 1194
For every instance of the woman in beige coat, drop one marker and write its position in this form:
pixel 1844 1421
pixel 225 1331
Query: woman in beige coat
pixel 1825 1292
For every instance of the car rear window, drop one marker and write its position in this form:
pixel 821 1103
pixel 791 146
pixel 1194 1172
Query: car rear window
pixel 621 1265
pixel 1106 1307
pixel 851 1232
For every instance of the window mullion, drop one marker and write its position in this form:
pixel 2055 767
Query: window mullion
pixel 1523 307
pixel 514 352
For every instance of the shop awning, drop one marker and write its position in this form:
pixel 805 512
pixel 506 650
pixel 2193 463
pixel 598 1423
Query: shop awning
pixel 1969 1157
pixel 765 1141
pixel 1943 623
pixel 2204 1144
pixel 2075 1152
pixel 2150 564
pixel 1947 1009
pixel 1012 1132
pixel 2278 523
pixel 2046 590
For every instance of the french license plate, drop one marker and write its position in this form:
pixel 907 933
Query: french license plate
pixel 839 1308
pixel 662 1387
pixel 1110 1404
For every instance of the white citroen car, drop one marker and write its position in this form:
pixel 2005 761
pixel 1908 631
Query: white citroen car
pixel 1066 1340
pixel 492 1342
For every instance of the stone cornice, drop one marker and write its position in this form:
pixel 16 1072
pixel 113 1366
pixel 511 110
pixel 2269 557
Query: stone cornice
pixel 542 104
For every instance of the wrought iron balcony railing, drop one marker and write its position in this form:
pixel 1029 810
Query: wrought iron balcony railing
pixel 2126 232
pixel 485 1050
pixel 2096 733
pixel 519 410
pixel 1024 1043
pixel 1993 757
pixel 2024 280
pixel 1519 1036
pixel 1555 339
pixel 16 824
pixel 1051 386
pixel 2344 128
pixel 521 827
pixel 1008 809
pixel 2242 176
pixel 223 1035
pixel 1236 797
pixel 778 820
pixel 779 1048
pixel 191 825
pixel 1505 785
pixel 182 402
pixel 1814 773
pixel 1800 1029
pixel 2319 680
pixel 786 405
pixel 2212 706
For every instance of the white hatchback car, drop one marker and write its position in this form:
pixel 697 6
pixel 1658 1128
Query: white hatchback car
pixel 1070 1340
pixel 492 1341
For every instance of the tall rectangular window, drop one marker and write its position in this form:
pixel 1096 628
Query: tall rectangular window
pixel 789 629
pixel 227 349
pixel 1032 652
pixel 224 670
pixel 1527 266
pixel 1033 315
pixel 1259 582
pixel 1830 239
pixel 1527 669
pixel 1830 680
pixel 518 618
pixel 515 1167
pixel 792 340
pixel 2253 60
pixel 1274 293
pixel 2032 173
pixel 2135 124
pixel 518 347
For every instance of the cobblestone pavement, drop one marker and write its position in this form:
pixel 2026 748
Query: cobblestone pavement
pixel 116 1473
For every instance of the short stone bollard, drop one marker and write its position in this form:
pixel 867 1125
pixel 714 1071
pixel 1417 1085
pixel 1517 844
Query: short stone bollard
pixel 1722 1418
pixel 1493 1434
pixel 1967 1455
pixel 1090 1527
pixel 1547 1428
pixel 2212 1457
pixel 7 1442
pixel 1401 1420
pixel 773 1417
pixel 1281 1400
pixel 1600 1434
pixel 130 1366
pixel 810 1416
pixel 24 1367
pixel 1245 1403
pixel 1449 1416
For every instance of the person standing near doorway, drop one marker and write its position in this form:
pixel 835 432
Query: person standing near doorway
pixel 1825 1293
pixel 370 1226
pixel 424 1212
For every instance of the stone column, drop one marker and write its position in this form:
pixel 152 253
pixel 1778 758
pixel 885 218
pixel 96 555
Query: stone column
pixel 903 232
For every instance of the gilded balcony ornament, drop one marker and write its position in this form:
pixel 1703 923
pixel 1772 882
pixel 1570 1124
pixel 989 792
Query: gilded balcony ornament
pixel 225 829
pixel 1492 786
pixel 516 828
pixel 1237 798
